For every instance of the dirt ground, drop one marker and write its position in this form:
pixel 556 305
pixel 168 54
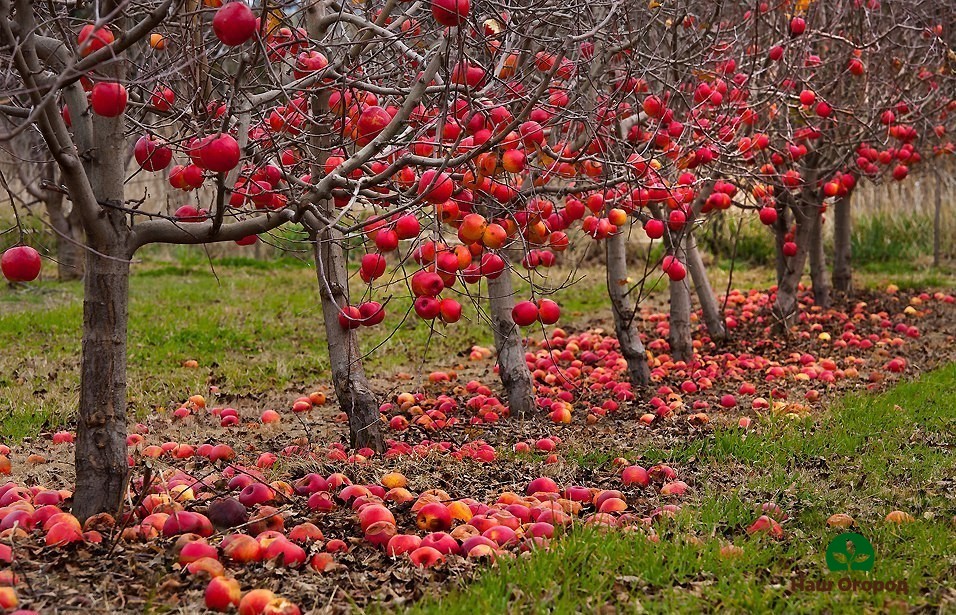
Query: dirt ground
pixel 119 576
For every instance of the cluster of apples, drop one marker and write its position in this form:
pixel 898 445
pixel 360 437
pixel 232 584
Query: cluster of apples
pixel 847 343
pixel 184 512
pixel 723 112
pixel 579 370
pixel 161 514
pixel 428 413
pixel 426 529
pixel 715 118
pixel 513 522
pixel 233 24
pixel 586 371
pixel 216 153
pixel 443 266
pixel 230 416
pixel 544 311
pixel 361 116
pixel 235 518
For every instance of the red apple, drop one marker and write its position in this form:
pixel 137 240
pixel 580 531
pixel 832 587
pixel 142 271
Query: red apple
pixel 234 24
pixel 435 187
pixel 635 475
pixel 20 264
pixel 797 26
pixel 220 154
pixel 524 313
pixel 221 593
pixel 768 215
pixel 426 557
pixel 450 310
pixel 433 517
pixel 673 268
pixel 450 13
pixel 152 154
pixel 400 544
pixel 654 228
pixel 548 311
pixel 93 39
pixel 108 99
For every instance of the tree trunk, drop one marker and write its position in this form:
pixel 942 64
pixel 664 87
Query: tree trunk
pixel 101 462
pixel 842 230
pixel 69 239
pixel 716 326
pixel 785 305
pixel 512 367
pixel 102 469
pixel 937 221
pixel 818 263
pixel 780 228
pixel 679 338
pixel 352 389
pixel 627 334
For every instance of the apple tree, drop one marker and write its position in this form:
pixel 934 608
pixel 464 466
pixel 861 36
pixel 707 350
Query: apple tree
pixel 352 120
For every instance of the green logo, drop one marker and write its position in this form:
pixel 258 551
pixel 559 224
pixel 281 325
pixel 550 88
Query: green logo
pixel 850 551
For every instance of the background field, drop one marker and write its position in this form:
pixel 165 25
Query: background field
pixel 255 327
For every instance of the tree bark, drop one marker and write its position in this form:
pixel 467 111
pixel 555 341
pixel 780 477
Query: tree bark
pixel 818 263
pixel 624 323
pixel 716 326
pixel 352 388
pixel 101 462
pixel 937 221
pixel 101 458
pixel 785 304
pixel 780 228
pixel 512 367
pixel 842 231
pixel 679 338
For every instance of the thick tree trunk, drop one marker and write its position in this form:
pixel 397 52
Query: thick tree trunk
pixel 101 462
pixel 69 239
pixel 818 264
pixel 785 305
pixel 102 469
pixel 624 326
pixel 716 326
pixel 680 339
pixel 842 230
pixel 352 389
pixel 512 367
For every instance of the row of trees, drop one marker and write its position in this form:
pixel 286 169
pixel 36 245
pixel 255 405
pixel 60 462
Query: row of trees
pixel 447 146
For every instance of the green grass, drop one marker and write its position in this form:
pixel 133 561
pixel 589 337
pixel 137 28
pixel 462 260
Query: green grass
pixel 255 327
pixel 867 456
pixel 880 243
pixel 878 238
